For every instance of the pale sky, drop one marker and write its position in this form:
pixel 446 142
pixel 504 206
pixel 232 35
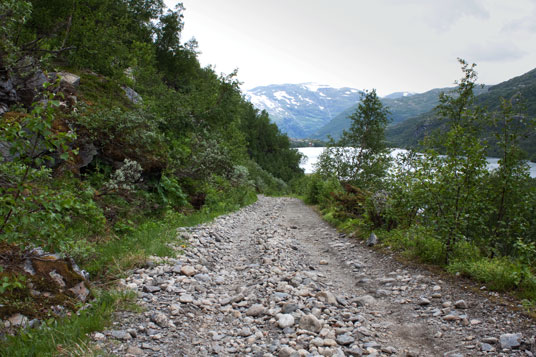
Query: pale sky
pixel 390 45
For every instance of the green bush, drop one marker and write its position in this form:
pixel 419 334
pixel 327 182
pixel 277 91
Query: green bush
pixel 500 274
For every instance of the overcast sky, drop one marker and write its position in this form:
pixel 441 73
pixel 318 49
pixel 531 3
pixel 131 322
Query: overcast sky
pixel 390 45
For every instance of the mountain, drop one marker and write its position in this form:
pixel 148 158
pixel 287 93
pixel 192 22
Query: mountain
pixel 302 109
pixel 409 132
pixel 397 95
pixel 402 105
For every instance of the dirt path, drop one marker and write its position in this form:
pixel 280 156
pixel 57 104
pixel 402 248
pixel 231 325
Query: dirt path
pixel 275 280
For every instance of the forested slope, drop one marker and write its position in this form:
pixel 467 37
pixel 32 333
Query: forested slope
pixel 112 135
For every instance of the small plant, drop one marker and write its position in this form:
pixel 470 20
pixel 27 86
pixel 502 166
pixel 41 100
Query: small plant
pixel 9 283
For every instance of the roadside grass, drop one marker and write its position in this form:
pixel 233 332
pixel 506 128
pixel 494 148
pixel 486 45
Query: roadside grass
pixel 419 244
pixel 68 336
pixel 112 260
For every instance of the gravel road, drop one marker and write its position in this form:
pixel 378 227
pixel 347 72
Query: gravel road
pixel 274 279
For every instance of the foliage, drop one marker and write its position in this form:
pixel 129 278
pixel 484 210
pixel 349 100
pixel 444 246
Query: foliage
pixel 361 155
pixel 443 206
pixel 55 336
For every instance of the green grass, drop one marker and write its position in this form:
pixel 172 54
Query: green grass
pixel 499 274
pixel 420 244
pixel 68 336
pixel 113 259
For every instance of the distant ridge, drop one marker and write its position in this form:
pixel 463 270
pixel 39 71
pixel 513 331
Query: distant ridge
pixel 301 109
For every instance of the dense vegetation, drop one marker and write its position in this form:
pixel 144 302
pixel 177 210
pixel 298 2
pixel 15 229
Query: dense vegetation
pixel 86 172
pixel 442 207
pixel 410 132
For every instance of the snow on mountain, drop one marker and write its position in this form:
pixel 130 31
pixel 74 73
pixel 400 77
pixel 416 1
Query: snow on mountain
pixel 397 95
pixel 301 109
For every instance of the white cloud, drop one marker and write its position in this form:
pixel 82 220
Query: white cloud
pixel 493 52
pixel 443 15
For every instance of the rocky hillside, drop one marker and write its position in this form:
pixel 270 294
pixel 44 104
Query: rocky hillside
pixel 301 109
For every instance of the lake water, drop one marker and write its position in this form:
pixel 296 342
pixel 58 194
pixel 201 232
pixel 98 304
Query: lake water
pixel 312 155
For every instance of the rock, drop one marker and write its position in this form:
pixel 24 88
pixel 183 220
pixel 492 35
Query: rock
pixel 490 340
pixel 186 298
pixel 255 310
pixel 97 336
pixel 18 320
pixel 120 335
pixel 80 291
pixel 345 339
pixel 323 262
pixel 365 300
pixel 287 352
pixel 355 351
pixel 151 289
pixel 486 347
pixel 460 304
pixel 160 319
pixel 7 91
pixel 372 240
pixel 132 95
pixel 245 332
pixel 69 78
pixel 451 317
pixel 326 296
pixel 510 340
pixel 310 323
pixel 28 87
pixel 285 320
pixel 133 350
pixel 289 308
pixel 188 270
pixel 423 301
pixel 57 278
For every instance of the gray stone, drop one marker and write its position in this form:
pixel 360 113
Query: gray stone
pixel 461 304
pixel 365 300
pixel 80 291
pixel 120 335
pixel 310 323
pixel 186 298
pixel 372 240
pixel 160 319
pixel 255 310
pixel 285 320
pixel 289 307
pixel 423 301
pixel 486 347
pixel 287 352
pixel 132 95
pixel 18 320
pixel 372 344
pixel 188 270
pixel 510 340
pixel 69 78
pixel 97 336
pixel 355 351
pixel 57 278
pixel 133 350
pixel 245 332
pixel 151 289
pixel 345 339
pixel 326 296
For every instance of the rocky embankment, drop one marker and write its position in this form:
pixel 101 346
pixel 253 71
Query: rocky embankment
pixel 275 280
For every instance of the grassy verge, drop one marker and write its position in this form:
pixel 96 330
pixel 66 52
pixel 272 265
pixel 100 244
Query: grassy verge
pixel 419 244
pixel 68 336
pixel 113 259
